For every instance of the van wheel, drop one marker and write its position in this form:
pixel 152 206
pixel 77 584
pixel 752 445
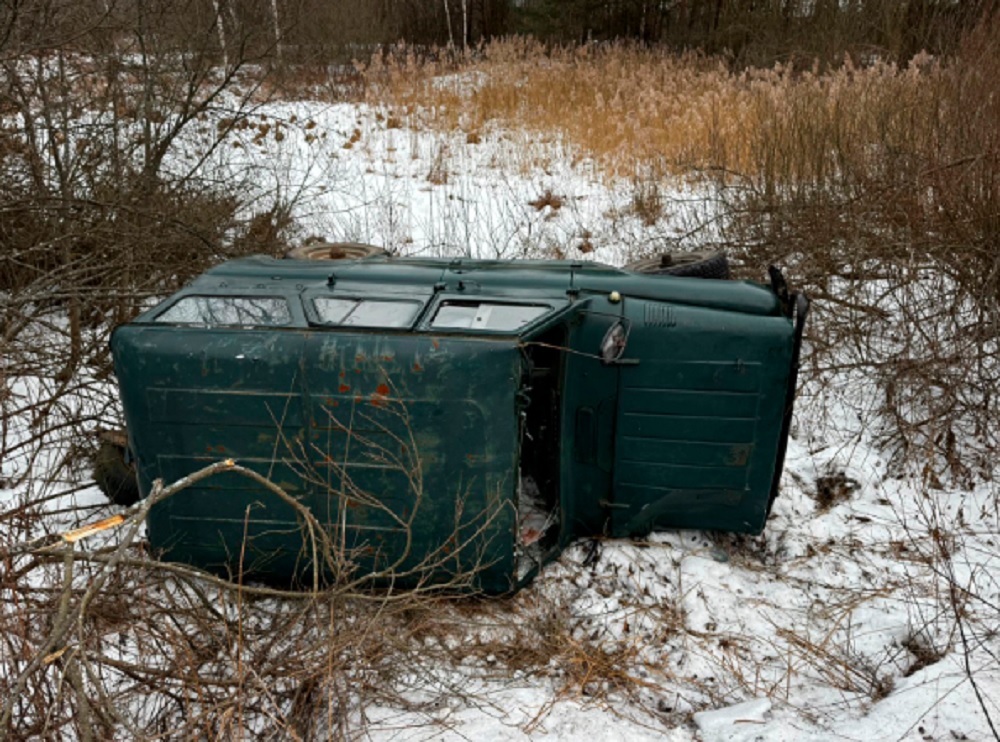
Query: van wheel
pixel 334 251
pixel 694 264
pixel 114 477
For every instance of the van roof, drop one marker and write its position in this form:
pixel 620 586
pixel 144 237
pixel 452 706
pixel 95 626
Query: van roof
pixel 515 278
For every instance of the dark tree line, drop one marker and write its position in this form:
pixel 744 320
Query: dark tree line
pixel 757 32
pixel 747 31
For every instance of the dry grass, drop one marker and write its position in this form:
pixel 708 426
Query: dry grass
pixel 623 104
pixel 632 107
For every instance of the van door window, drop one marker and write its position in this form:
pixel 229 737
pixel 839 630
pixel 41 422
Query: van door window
pixel 238 311
pixel 486 316
pixel 365 312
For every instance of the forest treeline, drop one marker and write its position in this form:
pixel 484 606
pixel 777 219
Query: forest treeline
pixel 746 32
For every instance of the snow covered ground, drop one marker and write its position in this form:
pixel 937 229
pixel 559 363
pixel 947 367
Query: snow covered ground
pixel 356 173
pixel 868 610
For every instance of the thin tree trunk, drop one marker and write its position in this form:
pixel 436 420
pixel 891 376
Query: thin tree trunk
pixel 465 25
pixel 447 18
pixel 277 30
pixel 217 5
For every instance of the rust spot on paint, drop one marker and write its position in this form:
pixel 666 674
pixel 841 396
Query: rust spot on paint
pixel 343 374
pixel 382 389
pixel 335 403
pixel 377 401
pixel 417 368
pixel 344 389
pixel 739 455
pixel 435 343
pixel 357 398
pixel 389 358
pixel 359 358
pixel 220 449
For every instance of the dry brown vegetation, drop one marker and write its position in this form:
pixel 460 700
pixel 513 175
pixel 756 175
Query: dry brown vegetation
pixel 101 641
pixel 634 108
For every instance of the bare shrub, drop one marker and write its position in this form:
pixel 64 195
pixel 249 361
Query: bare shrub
pixel 105 203
pixel 547 200
pixel 880 195
pixel 89 202
pixel 104 642
pixel 833 489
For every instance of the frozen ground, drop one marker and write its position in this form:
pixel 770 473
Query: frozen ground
pixel 869 608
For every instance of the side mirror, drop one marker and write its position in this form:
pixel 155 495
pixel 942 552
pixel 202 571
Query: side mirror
pixel 614 342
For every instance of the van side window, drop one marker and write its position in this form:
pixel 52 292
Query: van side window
pixel 365 312
pixel 239 311
pixel 476 315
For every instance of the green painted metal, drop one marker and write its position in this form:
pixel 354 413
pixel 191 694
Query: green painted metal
pixel 699 418
pixel 413 443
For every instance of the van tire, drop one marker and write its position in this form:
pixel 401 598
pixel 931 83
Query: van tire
pixel 114 477
pixel 694 264
pixel 334 251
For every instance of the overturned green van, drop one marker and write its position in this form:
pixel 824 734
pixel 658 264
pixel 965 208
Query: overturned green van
pixel 453 423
